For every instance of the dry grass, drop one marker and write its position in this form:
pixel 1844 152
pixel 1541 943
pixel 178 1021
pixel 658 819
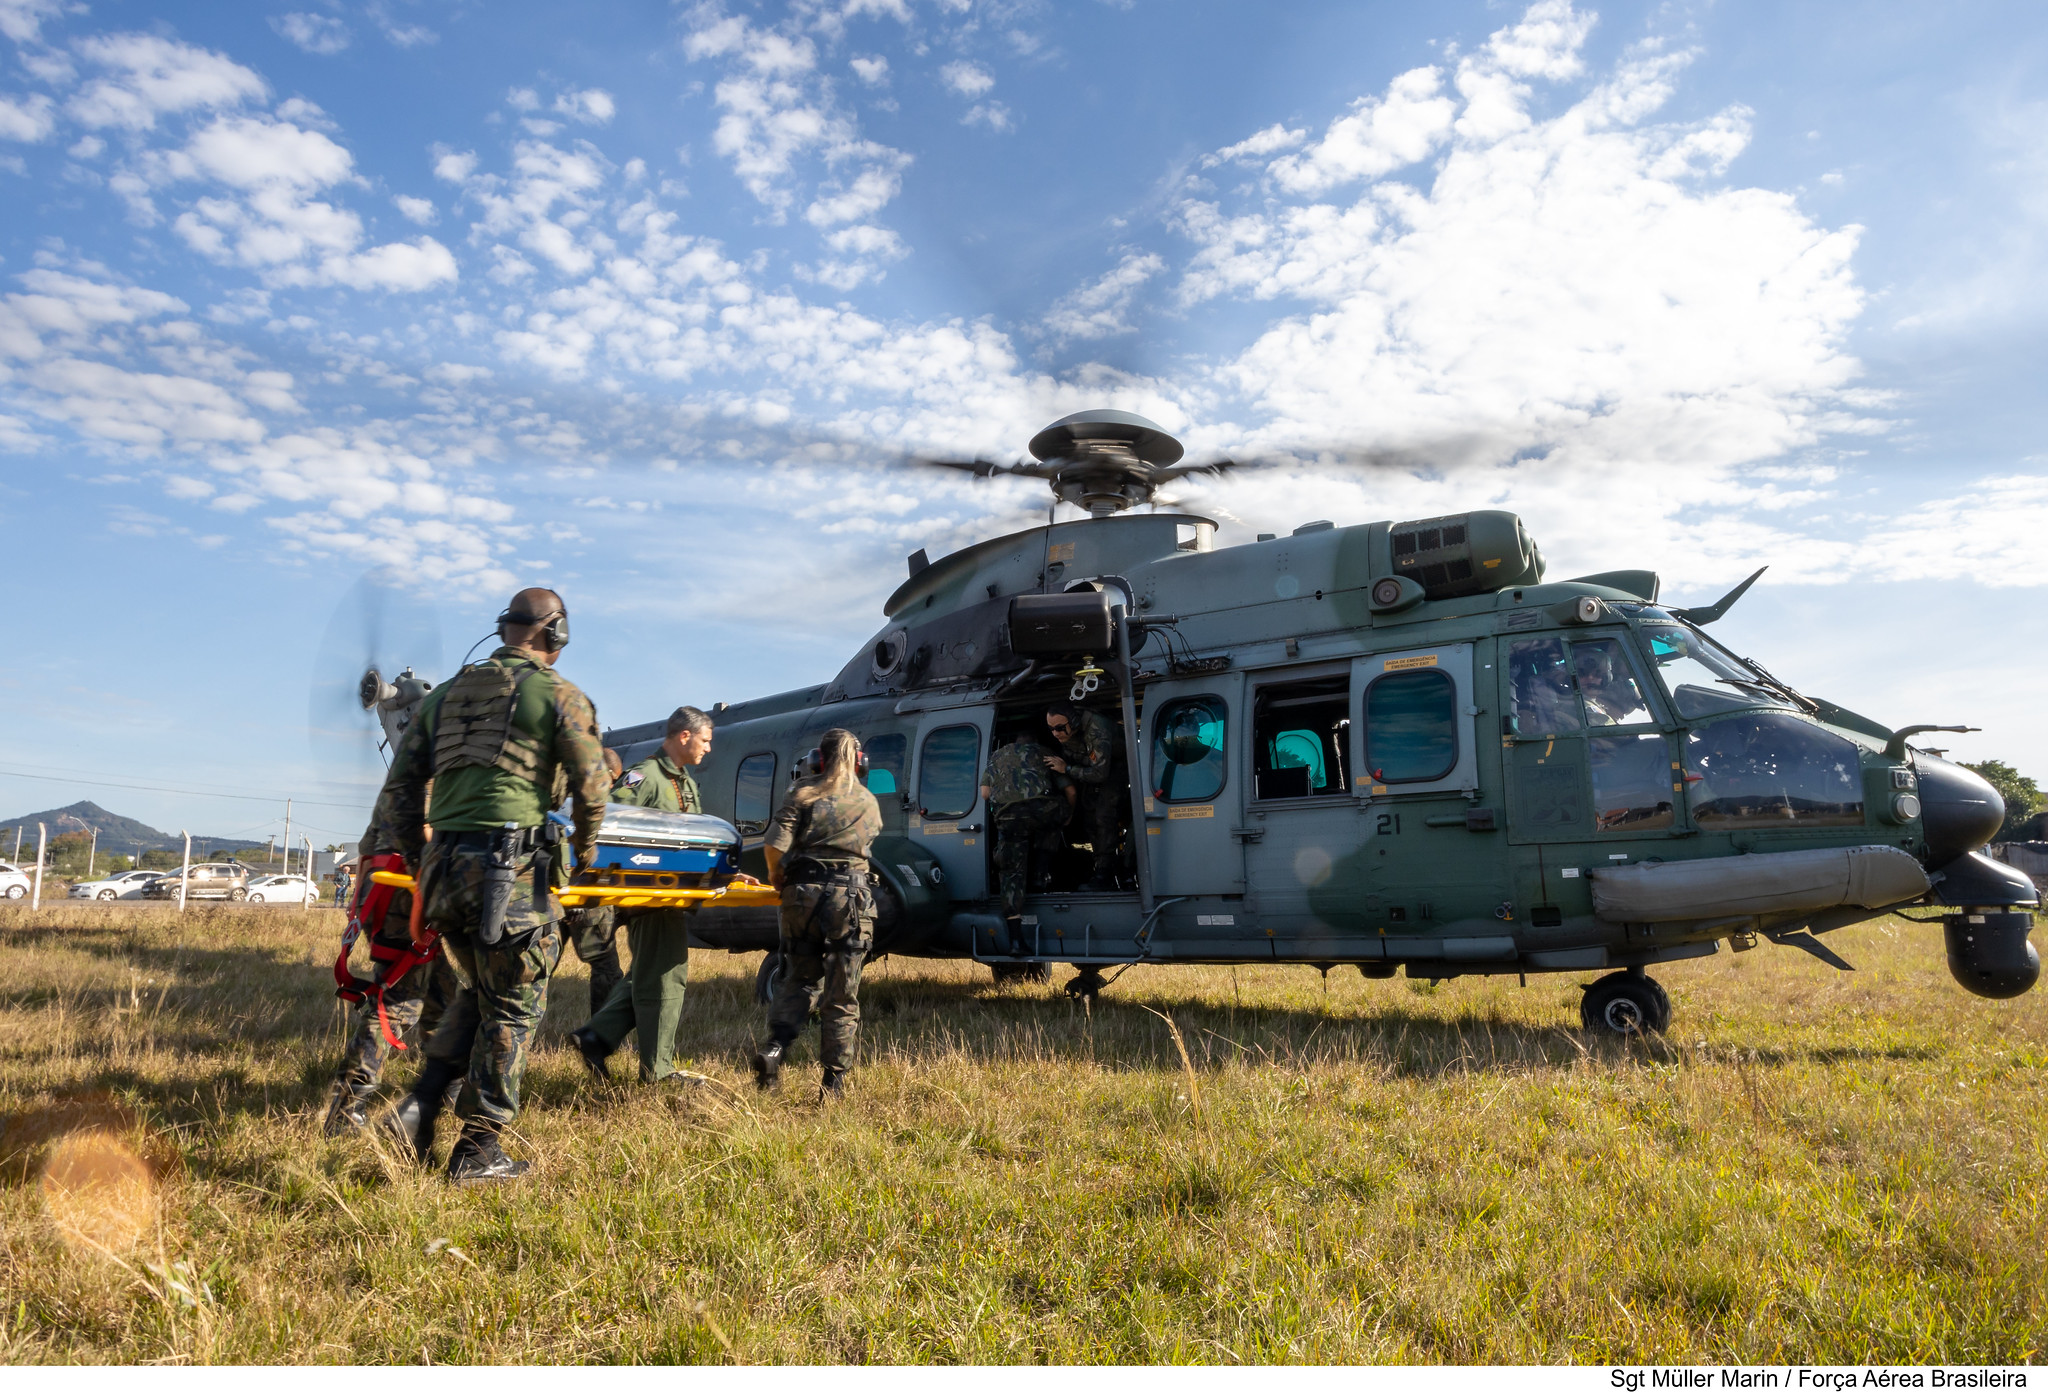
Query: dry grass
pixel 1214 1165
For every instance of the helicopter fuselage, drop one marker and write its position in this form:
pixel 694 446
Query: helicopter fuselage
pixel 1393 745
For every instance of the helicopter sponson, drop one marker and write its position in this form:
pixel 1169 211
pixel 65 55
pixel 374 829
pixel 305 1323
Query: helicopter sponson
pixel 1395 745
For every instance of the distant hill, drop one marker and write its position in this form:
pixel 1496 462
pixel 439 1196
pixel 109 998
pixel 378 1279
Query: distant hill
pixel 120 835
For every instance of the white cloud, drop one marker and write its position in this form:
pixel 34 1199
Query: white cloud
pixel 146 76
pixel 966 79
pixel 27 118
pixel 1381 134
pixel 22 20
pixel 1102 308
pixel 591 107
pixel 872 71
pixel 320 34
pixel 1258 144
pixel 418 210
pixel 994 115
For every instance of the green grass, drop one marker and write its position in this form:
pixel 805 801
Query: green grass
pixel 1813 1167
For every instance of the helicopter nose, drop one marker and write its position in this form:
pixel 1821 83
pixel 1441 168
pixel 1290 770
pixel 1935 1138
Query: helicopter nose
pixel 1959 810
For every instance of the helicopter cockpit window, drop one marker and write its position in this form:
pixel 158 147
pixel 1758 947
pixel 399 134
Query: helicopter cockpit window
pixel 1632 779
pixel 1768 769
pixel 1540 685
pixel 1299 733
pixel 887 754
pixel 753 794
pixel 1607 684
pixel 1411 726
pixel 1187 750
pixel 949 772
pixel 1703 677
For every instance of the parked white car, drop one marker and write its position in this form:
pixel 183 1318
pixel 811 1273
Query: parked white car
pixel 14 882
pixel 283 889
pixel 123 885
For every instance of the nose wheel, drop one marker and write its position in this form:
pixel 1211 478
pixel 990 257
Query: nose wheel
pixel 1625 1004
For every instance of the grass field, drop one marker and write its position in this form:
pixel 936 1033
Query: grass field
pixel 1814 1167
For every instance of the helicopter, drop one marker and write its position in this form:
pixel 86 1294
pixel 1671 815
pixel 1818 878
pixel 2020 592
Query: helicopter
pixel 1395 746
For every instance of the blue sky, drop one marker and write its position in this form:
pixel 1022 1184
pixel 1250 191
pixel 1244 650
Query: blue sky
pixel 635 300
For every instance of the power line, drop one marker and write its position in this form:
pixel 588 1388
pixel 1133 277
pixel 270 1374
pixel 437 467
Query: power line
pixel 165 788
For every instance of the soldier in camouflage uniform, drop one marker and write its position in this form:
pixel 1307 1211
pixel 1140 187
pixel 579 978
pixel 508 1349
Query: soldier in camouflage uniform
pixel 412 1004
pixel 492 739
pixel 593 929
pixel 1026 800
pixel 1092 756
pixel 817 847
pixel 649 1003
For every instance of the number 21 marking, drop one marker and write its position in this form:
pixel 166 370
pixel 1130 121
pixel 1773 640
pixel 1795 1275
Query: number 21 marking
pixel 1390 824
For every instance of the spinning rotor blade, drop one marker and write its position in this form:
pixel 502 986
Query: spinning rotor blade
pixel 377 631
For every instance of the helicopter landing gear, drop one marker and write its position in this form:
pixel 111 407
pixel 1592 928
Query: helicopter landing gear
pixel 1006 973
pixel 1626 1004
pixel 765 979
pixel 1087 984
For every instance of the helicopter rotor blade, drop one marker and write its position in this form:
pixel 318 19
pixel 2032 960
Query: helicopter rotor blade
pixel 377 627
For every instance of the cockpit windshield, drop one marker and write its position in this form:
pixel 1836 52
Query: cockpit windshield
pixel 1702 677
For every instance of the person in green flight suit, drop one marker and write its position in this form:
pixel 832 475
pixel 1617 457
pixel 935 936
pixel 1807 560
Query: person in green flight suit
pixel 498 742
pixel 649 1003
pixel 592 930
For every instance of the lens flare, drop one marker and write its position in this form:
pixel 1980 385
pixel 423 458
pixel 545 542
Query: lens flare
pixel 98 1192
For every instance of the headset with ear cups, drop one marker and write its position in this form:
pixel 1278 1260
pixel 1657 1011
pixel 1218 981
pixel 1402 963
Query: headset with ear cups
pixel 556 634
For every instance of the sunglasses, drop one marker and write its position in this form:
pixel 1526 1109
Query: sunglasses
pixel 1058 727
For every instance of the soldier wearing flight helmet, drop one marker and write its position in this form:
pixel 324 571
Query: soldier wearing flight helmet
pixel 494 740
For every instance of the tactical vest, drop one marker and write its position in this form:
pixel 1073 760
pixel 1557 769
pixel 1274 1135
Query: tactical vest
pixel 476 727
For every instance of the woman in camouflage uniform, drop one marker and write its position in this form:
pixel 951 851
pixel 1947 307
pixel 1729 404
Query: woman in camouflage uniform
pixel 817 847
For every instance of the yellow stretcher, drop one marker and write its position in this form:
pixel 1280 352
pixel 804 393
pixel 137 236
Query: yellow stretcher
pixel 637 896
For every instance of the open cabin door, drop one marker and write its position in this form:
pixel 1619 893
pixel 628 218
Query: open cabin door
pixel 947 816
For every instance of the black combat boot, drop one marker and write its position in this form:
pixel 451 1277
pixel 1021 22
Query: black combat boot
pixel 768 1064
pixel 593 1053
pixel 832 1087
pixel 349 1108
pixel 476 1156
pixel 412 1120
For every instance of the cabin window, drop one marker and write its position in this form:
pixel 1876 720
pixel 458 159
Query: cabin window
pixel 1187 750
pixel 1703 678
pixel 1540 694
pixel 1411 726
pixel 1299 733
pixel 1768 769
pixel 949 772
pixel 753 794
pixel 1632 779
pixel 887 754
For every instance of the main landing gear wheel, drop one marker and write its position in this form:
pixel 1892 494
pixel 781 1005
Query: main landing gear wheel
pixel 1625 1004
pixel 1006 973
pixel 766 978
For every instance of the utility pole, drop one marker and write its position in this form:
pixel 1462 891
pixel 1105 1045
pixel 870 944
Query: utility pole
pixel 307 904
pixel 92 853
pixel 287 836
pixel 42 837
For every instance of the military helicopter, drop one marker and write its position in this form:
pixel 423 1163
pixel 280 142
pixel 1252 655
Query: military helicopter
pixel 1394 745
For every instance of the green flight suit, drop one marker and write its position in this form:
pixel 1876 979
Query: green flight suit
pixel 649 1002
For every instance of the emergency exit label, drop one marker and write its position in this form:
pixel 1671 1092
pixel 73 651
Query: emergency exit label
pixel 1183 814
pixel 1399 664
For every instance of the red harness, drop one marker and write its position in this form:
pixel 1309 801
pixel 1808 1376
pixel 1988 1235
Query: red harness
pixel 367 914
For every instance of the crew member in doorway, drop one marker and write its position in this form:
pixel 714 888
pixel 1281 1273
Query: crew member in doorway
pixel 1025 801
pixel 649 1002
pixel 1090 754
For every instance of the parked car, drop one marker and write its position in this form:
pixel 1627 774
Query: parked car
pixel 211 880
pixel 14 882
pixel 283 889
pixel 122 885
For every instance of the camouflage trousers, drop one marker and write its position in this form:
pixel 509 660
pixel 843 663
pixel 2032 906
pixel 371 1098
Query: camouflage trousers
pixel 826 933
pixel 593 932
pixel 1020 827
pixel 1099 818
pixel 491 1022
pixel 415 1005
